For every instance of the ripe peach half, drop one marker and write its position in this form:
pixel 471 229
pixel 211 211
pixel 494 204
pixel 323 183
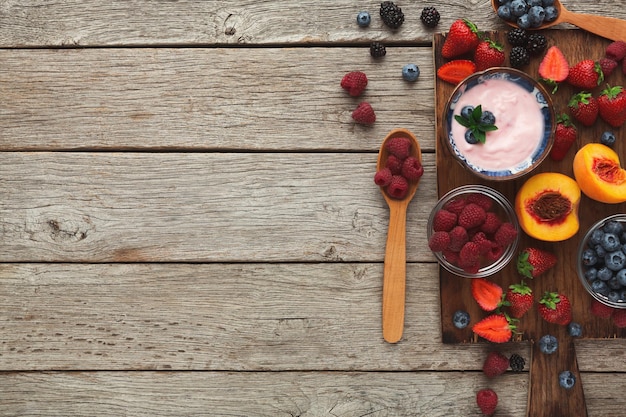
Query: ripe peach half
pixel 599 174
pixel 547 206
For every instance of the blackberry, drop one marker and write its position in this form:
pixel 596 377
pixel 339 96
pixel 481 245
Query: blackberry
pixel 517 37
pixel 391 14
pixel 430 17
pixel 517 363
pixel 519 57
pixel 377 50
pixel 536 43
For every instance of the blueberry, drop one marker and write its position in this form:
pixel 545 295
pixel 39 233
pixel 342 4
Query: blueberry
pixel 536 15
pixel 567 379
pixel 607 138
pixel 363 19
pixel 621 277
pixel 410 72
pixel 600 287
pixel 600 252
pixel 548 344
pixel 504 12
pixel 574 329
pixel 460 319
pixel 613 296
pixel 551 14
pixel 466 111
pixel 615 260
pixel 589 257
pixel 523 21
pixel 610 242
pixel 487 118
pixel 470 137
pixel 518 8
pixel 613 226
pixel 605 274
pixel 596 236
pixel 622 295
pixel 591 274
pixel 614 283
pixel 546 3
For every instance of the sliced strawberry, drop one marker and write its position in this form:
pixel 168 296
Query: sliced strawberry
pixel 554 68
pixel 487 294
pixel 456 71
pixel 495 328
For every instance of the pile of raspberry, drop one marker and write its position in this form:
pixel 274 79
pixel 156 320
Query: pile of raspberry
pixel 469 233
pixel 400 168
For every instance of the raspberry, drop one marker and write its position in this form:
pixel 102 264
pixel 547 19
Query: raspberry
pixel 452 257
pixel 484 244
pixel 455 205
pixel 494 253
pixel 472 216
pixel 439 241
pixel 481 199
pixel 487 401
pixel 398 187
pixel 394 164
pixel 399 146
pixel 469 255
pixel 505 235
pixel 495 364
pixel 383 177
pixel 444 220
pixel 619 318
pixel 354 83
pixel 491 224
pixel 364 114
pixel 412 169
pixel 607 65
pixel 600 310
pixel 616 51
pixel 458 238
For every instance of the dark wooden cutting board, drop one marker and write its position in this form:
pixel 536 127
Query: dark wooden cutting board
pixel 546 397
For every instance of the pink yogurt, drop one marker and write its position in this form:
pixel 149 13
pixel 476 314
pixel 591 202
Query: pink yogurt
pixel 518 118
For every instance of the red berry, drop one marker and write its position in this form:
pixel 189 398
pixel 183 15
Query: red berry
pixel 619 318
pixel 608 66
pixel 398 187
pixel 506 234
pixel 439 241
pixel 616 50
pixel 495 364
pixel 487 400
pixel 394 164
pixel 491 224
pixel 364 114
pixel 444 220
pixel 354 83
pixel 412 169
pixel 601 310
pixel 472 216
pixel 382 178
pixel 399 146
pixel 458 238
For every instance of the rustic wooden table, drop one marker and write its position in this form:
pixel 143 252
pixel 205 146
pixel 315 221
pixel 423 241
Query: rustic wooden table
pixel 190 226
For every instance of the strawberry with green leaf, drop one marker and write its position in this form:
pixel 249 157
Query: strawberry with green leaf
pixel 555 308
pixel 497 328
pixel 584 108
pixel 532 262
pixel 564 137
pixel 487 294
pixel 612 105
pixel 520 299
pixel 461 39
pixel 587 74
pixel 554 68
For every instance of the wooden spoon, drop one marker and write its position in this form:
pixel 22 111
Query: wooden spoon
pixel 394 274
pixel 607 27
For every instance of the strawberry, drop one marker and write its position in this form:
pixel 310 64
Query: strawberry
pixel 439 241
pixel 472 216
pixel 555 308
pixel 488 54
pixel 496 328
pixel 608 66
pixel 487 294
pixel 444 220
pixel 454 72
pixel 554 68
pixel 364 114
pixel 564 136
pixel 532 262
pixel 354 83
pixel 612 105
pixel 619 318
pixel 495 364
pixel 399 146
pixel 616 51
pixel 584 108
pixel 461 39
pixel 520 298
pixel 601 310
pixel 487 401
pixel 587 74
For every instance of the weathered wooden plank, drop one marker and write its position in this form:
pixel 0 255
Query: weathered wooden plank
pixel 208 98
pixel 197 207
pixel 119 22
pixel 274 394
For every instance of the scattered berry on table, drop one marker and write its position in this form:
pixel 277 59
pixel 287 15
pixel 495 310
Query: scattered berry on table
pixel 574 329
pixel 391 14
pixel 554 67
pixel 533 262
pixel 536 44
pixel 363 19
pixel 517 362
pixel 462 38
pixel 607 138
pixel 519 57
pixel 555 308
pixel 567 379
pixel 430 17
pixel 619 318
pixel 565 135
pixel 461 319
pixel 616 50
pixel 496 328
pixel 354 83
pixel 364 114
pixel 487 293
pixel 601 310
pixel 520 298
pixel 612 105
pixel 608 66
pixel 584 108
pixel 487 401
pixel 377 50
pixel 586 74
pixel 548 344
pixel 495 364
pixel 398 188
pixel 517 37
pixel 410 72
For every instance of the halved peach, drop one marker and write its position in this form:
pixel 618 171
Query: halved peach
pixel 599 174
pixel 547 206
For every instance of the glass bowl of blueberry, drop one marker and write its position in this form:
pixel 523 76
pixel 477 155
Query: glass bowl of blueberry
pixel 499 123
pixel 602 261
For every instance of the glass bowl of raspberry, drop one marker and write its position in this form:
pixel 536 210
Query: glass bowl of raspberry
pixel 499 124
pixel 601 261
pixel 473 231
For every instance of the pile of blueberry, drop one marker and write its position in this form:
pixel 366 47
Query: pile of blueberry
pixel 603 260
pixel 527 13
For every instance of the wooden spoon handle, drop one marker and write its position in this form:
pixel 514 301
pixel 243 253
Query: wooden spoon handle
pixel 394 274
pixel 607 27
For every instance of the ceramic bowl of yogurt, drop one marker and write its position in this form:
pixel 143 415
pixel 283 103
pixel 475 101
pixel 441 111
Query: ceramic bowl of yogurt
pixel 524 118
